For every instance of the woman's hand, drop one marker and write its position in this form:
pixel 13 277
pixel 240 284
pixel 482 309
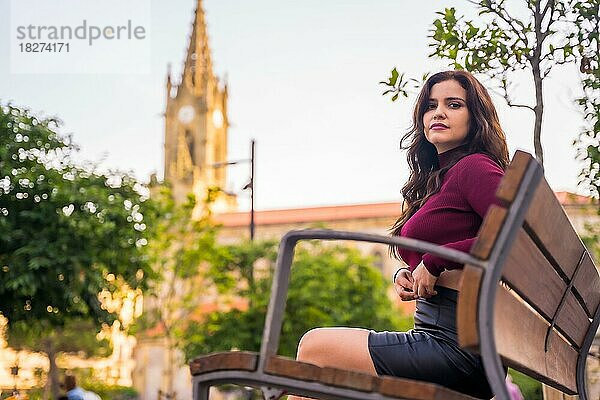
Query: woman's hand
pixel 404 284
pixel 423 282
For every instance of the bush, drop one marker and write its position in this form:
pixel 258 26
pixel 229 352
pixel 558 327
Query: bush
pixel 113 392
pixel 87 381
pixel 530 388
pixel 106 392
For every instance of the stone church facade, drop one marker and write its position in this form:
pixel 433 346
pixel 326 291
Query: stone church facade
pixel 196 124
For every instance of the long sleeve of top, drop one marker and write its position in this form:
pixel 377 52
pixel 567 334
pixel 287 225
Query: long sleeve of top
pixel 452 217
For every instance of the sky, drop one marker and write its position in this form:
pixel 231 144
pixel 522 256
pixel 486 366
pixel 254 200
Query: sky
pixel 303 82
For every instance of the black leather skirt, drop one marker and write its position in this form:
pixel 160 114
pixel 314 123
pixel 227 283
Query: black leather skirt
pixel 430 351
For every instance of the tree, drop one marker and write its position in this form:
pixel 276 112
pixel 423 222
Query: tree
pixel 506 43
pixel 330 285
pixel 66 233
pixel 588 48
pixel 180 248
pixel 77 335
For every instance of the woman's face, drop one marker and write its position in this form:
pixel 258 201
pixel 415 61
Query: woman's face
pixel 446 120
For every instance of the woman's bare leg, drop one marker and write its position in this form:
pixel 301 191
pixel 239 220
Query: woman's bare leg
pixel 344 348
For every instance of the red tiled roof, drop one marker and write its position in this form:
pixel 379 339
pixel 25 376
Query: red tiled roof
pixel 198 314
pixel 345 212
pixel 310 214
pixel 572 199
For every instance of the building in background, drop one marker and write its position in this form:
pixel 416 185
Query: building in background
pixel 273 224
pixel 196 124
pixel 141 362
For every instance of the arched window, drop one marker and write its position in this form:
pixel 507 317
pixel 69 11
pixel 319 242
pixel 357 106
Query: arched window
pixel 189 139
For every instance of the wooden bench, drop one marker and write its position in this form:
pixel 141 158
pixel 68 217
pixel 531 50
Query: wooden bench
pixel 528 300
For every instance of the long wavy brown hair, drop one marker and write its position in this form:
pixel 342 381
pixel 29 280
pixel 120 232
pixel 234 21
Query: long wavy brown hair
pixel 485 136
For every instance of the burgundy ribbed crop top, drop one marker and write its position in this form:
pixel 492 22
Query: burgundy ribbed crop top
pixel 452 216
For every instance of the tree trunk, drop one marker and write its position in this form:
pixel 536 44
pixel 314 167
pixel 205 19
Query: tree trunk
pixel 539 113
pixel 537 79
pixel 46 392
pixel 53 372
pixel 169 372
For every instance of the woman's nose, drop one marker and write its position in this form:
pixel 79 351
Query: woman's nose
pixel 439 113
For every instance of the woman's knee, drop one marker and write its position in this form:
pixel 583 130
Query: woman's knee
pixel 336 347
pixel 310 343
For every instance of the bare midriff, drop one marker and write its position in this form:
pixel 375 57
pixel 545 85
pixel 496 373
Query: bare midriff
pixel 450 279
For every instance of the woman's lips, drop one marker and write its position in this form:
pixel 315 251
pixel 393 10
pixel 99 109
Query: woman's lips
pixel 438 128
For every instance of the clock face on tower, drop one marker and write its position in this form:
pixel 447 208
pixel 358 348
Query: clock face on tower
pixel 186 114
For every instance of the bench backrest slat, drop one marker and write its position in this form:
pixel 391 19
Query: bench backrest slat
pixel 587 285
pixel 523 270
pixel 488 233
pixel 550 286
pixel 548 223
pixel 466 308
pixel 525 267
pixel 520 337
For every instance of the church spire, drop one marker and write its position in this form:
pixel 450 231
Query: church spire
pixel 197 70
pixel 196 123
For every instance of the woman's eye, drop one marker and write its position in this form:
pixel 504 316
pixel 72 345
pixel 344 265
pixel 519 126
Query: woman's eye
pixel 431 106
pixel 454 105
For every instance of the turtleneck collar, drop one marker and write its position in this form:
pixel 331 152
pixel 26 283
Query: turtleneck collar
pixel 447 156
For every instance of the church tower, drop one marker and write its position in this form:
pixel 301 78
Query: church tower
pixel 196 125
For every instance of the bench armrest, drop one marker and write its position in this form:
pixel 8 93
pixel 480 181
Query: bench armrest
pixel 274 319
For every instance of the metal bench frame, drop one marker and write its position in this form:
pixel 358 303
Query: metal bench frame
pixel 274 386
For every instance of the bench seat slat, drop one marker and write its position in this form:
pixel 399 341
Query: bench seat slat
pixel 281 366
pixel 387 385
pixel 349 379
pixel 416 390
pixel 229 360
pixel 286 367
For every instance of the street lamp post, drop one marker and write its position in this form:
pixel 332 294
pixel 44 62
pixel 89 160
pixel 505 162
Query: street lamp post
pixel 251 190
pixel 249 185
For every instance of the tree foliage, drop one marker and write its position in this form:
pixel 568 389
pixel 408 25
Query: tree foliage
pixel 64 228
pixel 329 286
pixel 77 335
pixel 67 232
pixel 588 142
pixel 506 43
pixel 180 248
pixel 536 37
